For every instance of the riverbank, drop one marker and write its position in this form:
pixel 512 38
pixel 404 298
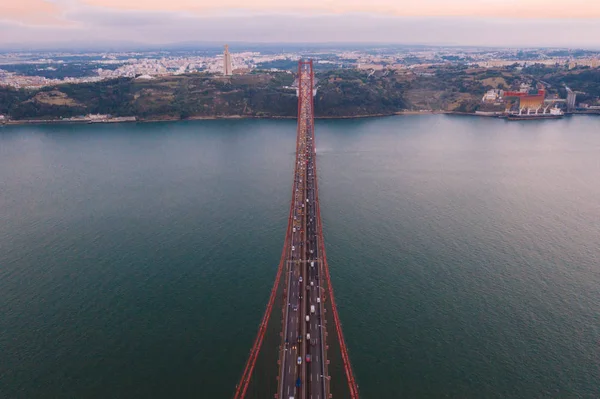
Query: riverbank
pixel 232 117
pixel 70 121
pixel 215 117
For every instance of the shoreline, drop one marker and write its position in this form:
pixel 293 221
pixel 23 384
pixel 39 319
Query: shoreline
pixel 233 117
pixel 200 118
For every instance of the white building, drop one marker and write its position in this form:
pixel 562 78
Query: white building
pixel 491 96
pixel 524 88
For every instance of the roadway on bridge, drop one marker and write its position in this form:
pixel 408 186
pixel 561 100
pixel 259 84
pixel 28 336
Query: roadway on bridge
pixel 303 351
pixel 303 362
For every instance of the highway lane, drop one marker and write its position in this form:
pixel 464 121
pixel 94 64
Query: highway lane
pixel 291 370
pixel 316 380
pixel 300 378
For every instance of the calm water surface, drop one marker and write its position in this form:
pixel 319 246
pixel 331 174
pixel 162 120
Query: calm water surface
pixel 136 260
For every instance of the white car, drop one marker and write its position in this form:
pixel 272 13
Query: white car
pixel 299 360
pixel 300 279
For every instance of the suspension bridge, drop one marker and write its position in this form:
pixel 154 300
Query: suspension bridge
pixel 307 300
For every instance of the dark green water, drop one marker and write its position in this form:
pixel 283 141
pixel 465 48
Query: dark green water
pixel 136 260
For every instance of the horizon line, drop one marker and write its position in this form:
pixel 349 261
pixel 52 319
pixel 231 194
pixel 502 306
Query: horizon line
pixel 83 45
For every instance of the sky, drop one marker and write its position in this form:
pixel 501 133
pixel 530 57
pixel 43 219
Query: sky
pixel 522 23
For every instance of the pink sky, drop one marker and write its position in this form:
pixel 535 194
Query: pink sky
pixel 564 21
pixel 49 11
pixel 488 8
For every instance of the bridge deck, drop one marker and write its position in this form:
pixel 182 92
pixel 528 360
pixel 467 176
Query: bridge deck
pixel 304 269
pixel 303 357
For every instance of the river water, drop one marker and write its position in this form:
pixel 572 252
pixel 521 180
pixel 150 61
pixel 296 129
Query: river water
pixel 136 259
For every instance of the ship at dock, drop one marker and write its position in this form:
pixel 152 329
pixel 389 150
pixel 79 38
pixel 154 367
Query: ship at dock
pixel 552 113
pixel 532 105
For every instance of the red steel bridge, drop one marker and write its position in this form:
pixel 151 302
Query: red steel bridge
pixel 307 299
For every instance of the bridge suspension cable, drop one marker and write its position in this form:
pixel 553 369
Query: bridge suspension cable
pixel 242 386
pixel 352 385
pixel 244 382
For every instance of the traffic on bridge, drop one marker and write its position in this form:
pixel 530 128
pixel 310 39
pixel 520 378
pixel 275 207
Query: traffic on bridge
pixel 303 362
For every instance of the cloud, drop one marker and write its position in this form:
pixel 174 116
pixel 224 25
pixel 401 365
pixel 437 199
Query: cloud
pixel 107 25
pixel 36 12
pixel 94 17
pixel 530 9
pixel 70 12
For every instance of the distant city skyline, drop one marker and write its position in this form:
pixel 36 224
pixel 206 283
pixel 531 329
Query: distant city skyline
pixel 575 23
